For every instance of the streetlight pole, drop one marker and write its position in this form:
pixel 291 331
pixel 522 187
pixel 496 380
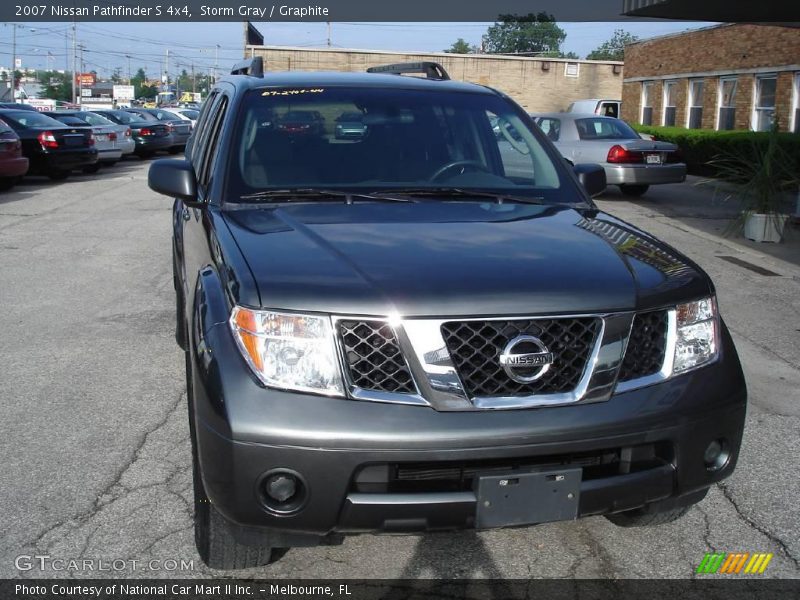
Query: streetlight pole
pixel 129 68
pixel 74 62
pixel 13 62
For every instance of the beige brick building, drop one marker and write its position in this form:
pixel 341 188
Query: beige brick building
pixel 538 84
pixel 733 76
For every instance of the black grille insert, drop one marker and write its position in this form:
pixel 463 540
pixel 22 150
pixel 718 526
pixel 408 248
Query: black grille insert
pixel 475 348
pixel 374 358
pixel 646 346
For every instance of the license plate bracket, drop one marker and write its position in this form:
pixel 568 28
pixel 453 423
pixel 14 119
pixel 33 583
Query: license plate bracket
pixel 527 498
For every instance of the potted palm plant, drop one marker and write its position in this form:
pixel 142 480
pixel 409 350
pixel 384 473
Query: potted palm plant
pixel 760 177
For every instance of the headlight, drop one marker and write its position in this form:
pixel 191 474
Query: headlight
pixel 696 329
pixel 288 351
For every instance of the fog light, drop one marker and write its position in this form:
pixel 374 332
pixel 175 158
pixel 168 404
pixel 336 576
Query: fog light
pixel 717 455
pixel 280 487
pixel 282 491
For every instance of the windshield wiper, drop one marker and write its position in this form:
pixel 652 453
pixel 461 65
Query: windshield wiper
pixel 301 194
pixel 457 193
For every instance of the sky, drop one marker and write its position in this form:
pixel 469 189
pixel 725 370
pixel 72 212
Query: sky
pixel 204 45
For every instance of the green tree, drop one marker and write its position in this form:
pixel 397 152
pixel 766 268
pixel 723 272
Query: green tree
pixel 116 76
pixel 58 86
pixel 138 82
pixel 613 49
pixel 533 33
pixel 460 46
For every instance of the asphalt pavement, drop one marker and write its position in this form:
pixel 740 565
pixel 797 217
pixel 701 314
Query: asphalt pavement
pixel 94 437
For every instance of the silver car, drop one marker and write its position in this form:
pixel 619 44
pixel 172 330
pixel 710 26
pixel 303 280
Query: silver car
pixel 104 140
pixel 124 139
pixel 632 163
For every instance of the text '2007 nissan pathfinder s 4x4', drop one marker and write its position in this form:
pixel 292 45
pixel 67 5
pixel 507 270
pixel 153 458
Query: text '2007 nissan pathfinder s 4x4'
pixel 428 325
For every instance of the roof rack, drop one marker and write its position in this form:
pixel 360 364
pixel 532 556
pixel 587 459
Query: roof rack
pixel 432 70
pixel 254 67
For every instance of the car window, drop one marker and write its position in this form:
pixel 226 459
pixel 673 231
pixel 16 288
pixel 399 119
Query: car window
pixel 94 119
pixel 289 138
pixel 208 160
pixel 604 128
pixel 4 127
pixel 29 118
pixel 609 109
pixel 550 126
pixel 72 121
pixel 127 118
pixel 198 139
pixel 191 114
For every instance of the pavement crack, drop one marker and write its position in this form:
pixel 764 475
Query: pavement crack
pixel 726 492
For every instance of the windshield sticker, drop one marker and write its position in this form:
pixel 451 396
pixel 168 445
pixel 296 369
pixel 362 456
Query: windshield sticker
pixel 293 92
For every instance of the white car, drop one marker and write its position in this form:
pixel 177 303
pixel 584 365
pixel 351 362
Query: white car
pixel 186 114
pixel 632 163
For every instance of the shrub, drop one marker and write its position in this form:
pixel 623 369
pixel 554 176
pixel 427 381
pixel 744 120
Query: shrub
pixel 703 146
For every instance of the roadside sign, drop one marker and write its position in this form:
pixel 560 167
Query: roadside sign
pixel 123 92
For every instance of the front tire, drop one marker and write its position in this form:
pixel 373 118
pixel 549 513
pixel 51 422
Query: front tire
pixel 633 190
pixel 638 518
pixel 215 542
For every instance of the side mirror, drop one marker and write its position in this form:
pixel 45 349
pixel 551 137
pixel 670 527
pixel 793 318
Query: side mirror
pixel 173 178
pixel 592 178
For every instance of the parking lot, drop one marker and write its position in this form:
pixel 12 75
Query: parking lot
pixel 95 438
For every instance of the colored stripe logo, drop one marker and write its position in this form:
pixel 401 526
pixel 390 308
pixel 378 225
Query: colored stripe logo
pixel 734 563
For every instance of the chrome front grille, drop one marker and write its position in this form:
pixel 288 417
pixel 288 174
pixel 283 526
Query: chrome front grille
pixel 455 365
pixel 646 346
pixel 475 348
pixel 373 357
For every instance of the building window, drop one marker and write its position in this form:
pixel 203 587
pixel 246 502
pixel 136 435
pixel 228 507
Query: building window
pixel 670 101
pixel 695 119
pixel 727 103
pixel 764 110
pixel 647 103
pixel 796 104
pixel 572 69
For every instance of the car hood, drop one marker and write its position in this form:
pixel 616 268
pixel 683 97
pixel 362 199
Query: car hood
pixel 456 259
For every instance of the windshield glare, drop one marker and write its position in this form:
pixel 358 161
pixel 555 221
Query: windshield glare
pixel 289 139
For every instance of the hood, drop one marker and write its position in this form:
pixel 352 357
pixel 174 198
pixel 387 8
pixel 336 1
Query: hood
pixel 456 259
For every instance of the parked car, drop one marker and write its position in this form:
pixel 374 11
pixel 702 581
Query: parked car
pixel 52 148
pixel 630 162
pixel 427 328
pixel 148 137
pixel 179 128
pixel 302 122
pixel 105 140
pixel 597 106
pixel 186 114
pixel 125 141
pixel 13 165
pixel 350 125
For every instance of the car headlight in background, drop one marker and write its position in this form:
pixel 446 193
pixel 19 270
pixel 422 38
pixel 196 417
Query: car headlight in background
pixel 696 335
pixel 288 351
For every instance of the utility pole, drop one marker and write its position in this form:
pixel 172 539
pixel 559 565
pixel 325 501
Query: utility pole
pixel 74 61
pixel 129 68
pixel 216 61
pixel 80 77
pixel 194 81
pixel 329 34
pixel 13 62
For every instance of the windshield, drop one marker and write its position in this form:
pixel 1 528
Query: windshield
pixel 126 118
pixel 410 139
pixel 93 119
pixel 604 128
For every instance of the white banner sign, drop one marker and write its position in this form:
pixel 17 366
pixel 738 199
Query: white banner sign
pixel 123 92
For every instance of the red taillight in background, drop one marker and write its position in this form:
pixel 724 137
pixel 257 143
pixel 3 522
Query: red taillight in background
pixel 48 140
pixel 619 155
pixel 145 131
pixel 128 132
pixel 112 136
pixel 170 127
pixel 90 140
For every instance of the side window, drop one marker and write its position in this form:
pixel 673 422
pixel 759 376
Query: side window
pixel 201 129
pixel 205 167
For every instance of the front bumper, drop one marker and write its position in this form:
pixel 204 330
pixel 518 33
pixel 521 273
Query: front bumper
pixel 245 431
pixel 644 174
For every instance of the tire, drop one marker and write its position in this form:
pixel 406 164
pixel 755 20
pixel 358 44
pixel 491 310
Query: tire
pixel 91 169
pixel 6 183
pixel 633 190
pixel 58 175
pixel 637 518
pixel 215 542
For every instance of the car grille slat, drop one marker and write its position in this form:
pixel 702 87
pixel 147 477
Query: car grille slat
pixel 373 356
pixel 646 346
pixel 475 348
